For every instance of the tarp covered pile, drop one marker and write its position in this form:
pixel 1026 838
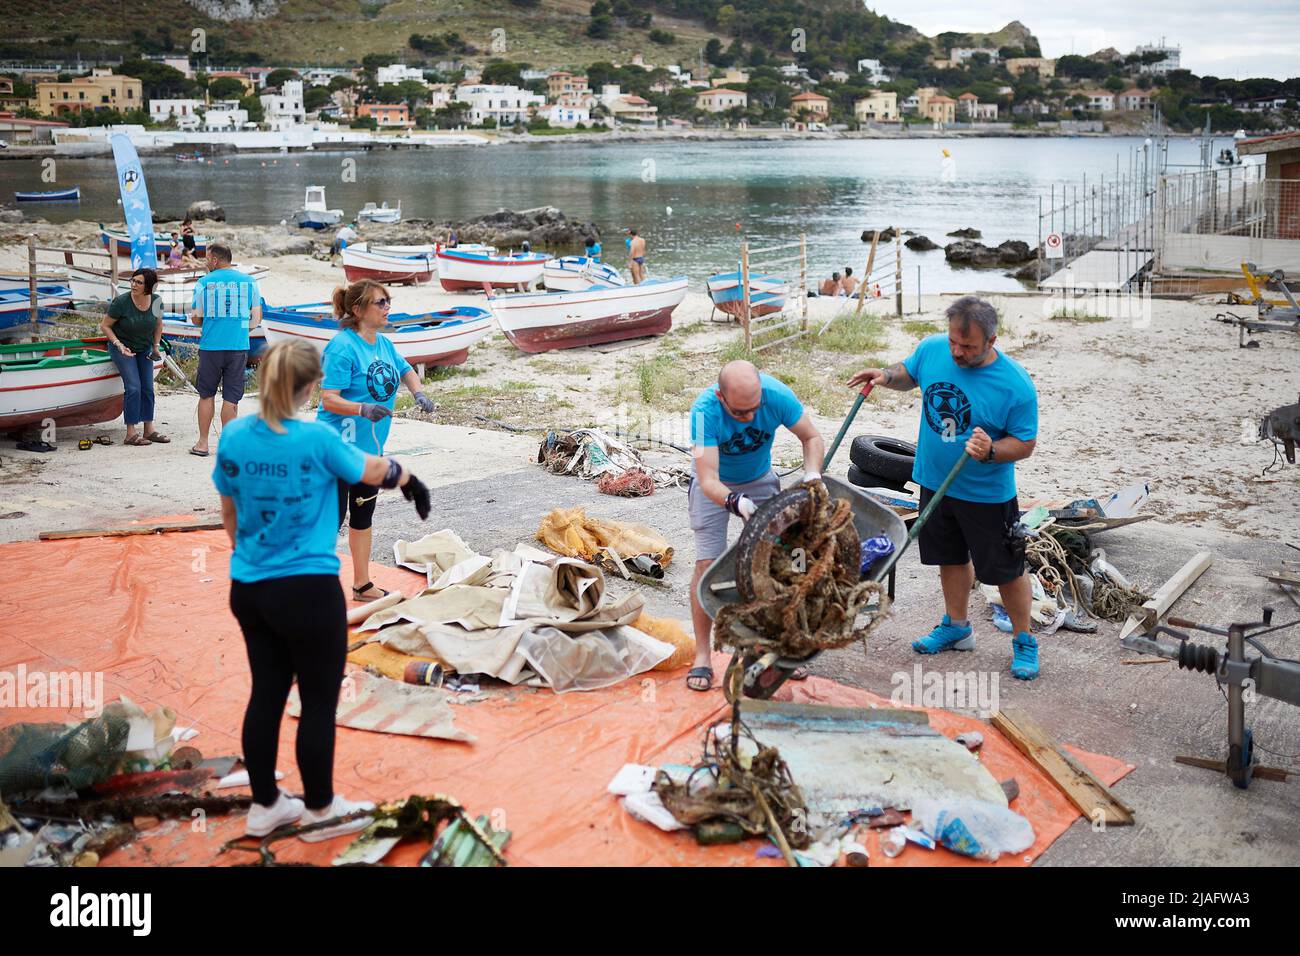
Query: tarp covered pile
pixel 524 616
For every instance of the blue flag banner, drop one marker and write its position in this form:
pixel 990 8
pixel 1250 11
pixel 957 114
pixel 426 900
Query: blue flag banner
pixel 135 203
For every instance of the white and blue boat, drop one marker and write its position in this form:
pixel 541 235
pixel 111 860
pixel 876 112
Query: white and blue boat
pixel 425 338
pixel 16 300
pixel 577 273
pixel 767 293
pixel 313 214
pixel 57 195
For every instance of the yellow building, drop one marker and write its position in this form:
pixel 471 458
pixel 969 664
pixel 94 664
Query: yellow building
pixel 720 99
pixel 817 106
pixel 941 109
pixel 102 90
pixel 878 107
pixel 1018 64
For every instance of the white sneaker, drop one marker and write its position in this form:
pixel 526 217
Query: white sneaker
pixel 338 808
pixel 262 820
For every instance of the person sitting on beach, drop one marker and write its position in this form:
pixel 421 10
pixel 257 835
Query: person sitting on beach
pixel 849 284
pixel 187 236
pixel 176 254
pixel 831 286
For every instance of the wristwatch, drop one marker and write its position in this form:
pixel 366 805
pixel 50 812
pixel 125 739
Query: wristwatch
pixel 989 457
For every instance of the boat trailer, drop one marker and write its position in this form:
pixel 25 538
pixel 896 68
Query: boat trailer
pixel 1271 315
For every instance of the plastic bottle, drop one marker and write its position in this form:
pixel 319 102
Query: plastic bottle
pixel 892 842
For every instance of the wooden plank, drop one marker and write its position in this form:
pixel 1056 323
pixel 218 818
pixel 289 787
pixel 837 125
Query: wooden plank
pixel 866 273
pixel 131 529
pixel 1081 788
pixel 1264 773
pixel 1169 592
pixel 1283 577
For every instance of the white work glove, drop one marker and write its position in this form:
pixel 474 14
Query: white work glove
pixel 741 505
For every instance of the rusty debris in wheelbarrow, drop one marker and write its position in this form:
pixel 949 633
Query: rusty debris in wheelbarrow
pixel 798 573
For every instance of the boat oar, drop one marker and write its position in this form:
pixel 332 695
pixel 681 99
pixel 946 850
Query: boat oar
pixel 848 420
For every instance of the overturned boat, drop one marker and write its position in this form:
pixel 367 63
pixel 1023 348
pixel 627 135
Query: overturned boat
pixel 767 294
pixel 575 273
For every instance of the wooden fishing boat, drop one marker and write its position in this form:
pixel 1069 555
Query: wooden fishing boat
pixel 427 338
pixel 540 322
pixel 576 273
pixel 461 268
pixel 767 294
pixel 361 262
pixel 119 241
pixel 71 381
pixel 54 195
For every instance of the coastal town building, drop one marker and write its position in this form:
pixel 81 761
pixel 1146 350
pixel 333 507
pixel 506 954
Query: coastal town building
pixel 9 103
pixel 225 115
pixel 1136 99
pixel 27 132
pixel 961 55
pixel 245 80
pixel 970 109
pixel 879 107
pixel 941 109
pixel 814 105
pixel 720 99
pixel 567 117
pixel 1171 55
pixel 875 71
pixel 396 73
pixel 185 113
pixel 387 114
pixel 1098 100
pixel 440 95
pixel 732 76
pixel 101 90
pixel 284 109
pixel 568 89
pixel 179 63
pixel 629 108
pixel 1044 67
pixel 505 105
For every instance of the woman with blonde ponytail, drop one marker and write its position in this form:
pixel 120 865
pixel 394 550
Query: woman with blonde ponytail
pixel 278 478
pixel 362 369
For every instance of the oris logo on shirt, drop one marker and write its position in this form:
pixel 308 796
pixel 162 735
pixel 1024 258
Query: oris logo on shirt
pixel 266 469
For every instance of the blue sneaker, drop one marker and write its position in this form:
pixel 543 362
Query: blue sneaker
pixel 1024 657
pixel 946 637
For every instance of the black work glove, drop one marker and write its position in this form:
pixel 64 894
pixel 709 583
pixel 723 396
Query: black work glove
pixel 424 401
pixel 415 491
pixel 374 412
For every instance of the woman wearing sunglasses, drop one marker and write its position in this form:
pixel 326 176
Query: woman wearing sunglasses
pixel 362 372
pixel 134 329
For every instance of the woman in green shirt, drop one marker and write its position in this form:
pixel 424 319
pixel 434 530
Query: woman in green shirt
pixel 134 329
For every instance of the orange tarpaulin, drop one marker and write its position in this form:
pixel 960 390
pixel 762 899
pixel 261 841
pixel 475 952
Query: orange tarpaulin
pixel 151 613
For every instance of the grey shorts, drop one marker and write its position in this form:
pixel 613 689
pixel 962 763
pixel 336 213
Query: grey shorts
pixel 222 368
pixel 709 521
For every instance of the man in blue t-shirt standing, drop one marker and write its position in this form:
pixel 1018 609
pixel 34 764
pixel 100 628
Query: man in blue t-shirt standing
pixel 733 424
pixel 227 305
pixel 978 400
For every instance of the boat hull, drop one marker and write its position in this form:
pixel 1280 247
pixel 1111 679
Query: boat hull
pixel 361 263
pixel 175 286
pixel 577 274
pixel 78 395
pixel 318 219
pixel 120 243
pixel 58 195
pixel 434 343
pixel 563 320
pixel 459 272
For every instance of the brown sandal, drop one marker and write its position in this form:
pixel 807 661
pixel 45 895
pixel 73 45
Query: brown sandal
pixel 158 437
pixel 136 440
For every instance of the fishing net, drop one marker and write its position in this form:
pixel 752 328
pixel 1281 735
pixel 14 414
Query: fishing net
pixel 633 483
pixel 810 571
pixel 35 756
pixel 740 781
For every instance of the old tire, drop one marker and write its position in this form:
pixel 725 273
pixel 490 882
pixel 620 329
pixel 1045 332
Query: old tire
pixel 889 458
pixel 756 541
pixel 864 479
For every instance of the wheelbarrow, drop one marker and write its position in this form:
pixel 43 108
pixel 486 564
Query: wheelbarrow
pixel 764 673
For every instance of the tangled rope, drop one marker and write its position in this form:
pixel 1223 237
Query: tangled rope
pixel 1114 602
pixel 753 791
pixel 1058 554
pixel 633 483
pixel 814 571
pixel 1051 562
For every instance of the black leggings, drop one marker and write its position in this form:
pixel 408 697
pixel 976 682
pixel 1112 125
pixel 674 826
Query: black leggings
pixel 294 626
pixel 357 504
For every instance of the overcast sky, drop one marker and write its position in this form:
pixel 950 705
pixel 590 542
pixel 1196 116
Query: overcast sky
pixel 1228 39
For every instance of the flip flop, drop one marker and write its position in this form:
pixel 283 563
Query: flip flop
pixel 700 673
pixel 201 454
pixel 102 440
pixel 35 445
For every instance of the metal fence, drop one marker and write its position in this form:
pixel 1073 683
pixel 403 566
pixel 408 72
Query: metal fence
pixel 1233 201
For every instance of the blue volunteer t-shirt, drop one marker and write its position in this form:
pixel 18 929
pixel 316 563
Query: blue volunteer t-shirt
pixel 285 488
pixel 226 297
pixel 593 252
pixel 1000 398
pixel 362 372
pixel 744 448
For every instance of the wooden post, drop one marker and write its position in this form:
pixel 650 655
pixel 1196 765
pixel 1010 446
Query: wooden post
pixel 31 279
pixel 744 291
pixel 803 280
pixel 898 272
pixel 866 276
pixel 112 276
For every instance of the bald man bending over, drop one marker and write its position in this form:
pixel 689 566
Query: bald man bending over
pixel 733 424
